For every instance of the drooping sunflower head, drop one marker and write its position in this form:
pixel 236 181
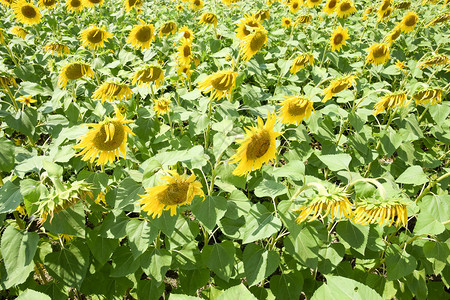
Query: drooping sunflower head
pixel 303 19
pixel 112 91
pixel 105 140
pixel 7 80
pixel 141 36
pixel 130 4
pixel 384 5
pixel 162 106
pixel 257 147
pixel 378 54
pixel 435 60
pixel 150 74
pixel 92 3
pixel 294 6
pixel 252 43
pixel 345 8
pixel 295 109
pixel 196 5
pixel 393 35
pixel 74 71
pixel 390 101
pixel 368 11
pixel 176 191
pixel 187 33
pixel 338 85
pixel 443 18
pixel 313 3
pixel 47 4
pixel 185 69
pixel 94 37
pixel 26 13
pixel 220 83
pixel 185 52
pixel 167 28
pixel 56 48
pixel 247 25
pixel 6 3
pixel 286 22
pixel 208 18
pixel 409 22
pixel 301 61
pixel 74 5
pixel 433 95
pixel 330 6
pixel 19 32
pixel 384 15
pixel 263 14
pixel 402 5
pixel 381 211
pixel 338 38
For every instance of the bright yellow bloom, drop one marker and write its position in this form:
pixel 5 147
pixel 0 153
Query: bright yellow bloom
pixel 167 28
pixel 246 25
pixel 252 43
pixel 74 71
pixel 112 91
pixel 393 35
pixel 185 52
pixel 366 13
pixel 294 6
pixel 56 48
pixel 6 3
pixel 185 69
pixel 178 190
pixel 303 19
pixel 409 22
pixel 130 4
pixel 345 8
pixel 257 148
pixel 26 13
pixel 208 19
pixel 19 32
pixel 162 106
pixel 26 100
pixel 338 38
pixel 330 6
pixel 286 22
pixel 2 39
pixel 196 5
pixel 101 198
pixel 313 3
pixel 300 62
pixel 378 212
pixel 74 5
pixel 384 15
pixel 47 4
pixel 263 14
pixel 400 65
pixel 141 36
pixel 295 109
pixel 92 3
pixel 433 95
pixel 220 83
pixel 94 37
pixel 390 101
pixel 187 33
pixel 338 85
pixel 149 74
pixel 378 54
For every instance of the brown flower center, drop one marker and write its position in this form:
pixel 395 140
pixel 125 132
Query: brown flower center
pixel 379 51
pixel 175 193
pixel 95 36
pixel 186 51
pixel 49 2
pixel 410 21
pixel 28 11
pixel 168 27
pixel 150 74
pixel 295 5
pixel 197 2
pixel 296 108
pixel 258 145
pixel 95 1
pixel 257 41
pixel 332 4
pixel 75 3
pixel 113 140
pixel 223 82
pixel 339 87
pixel 144 34
pixel 345 6
pixel 187 35
pixel 74 71
pixel 251 24
pixel 338 38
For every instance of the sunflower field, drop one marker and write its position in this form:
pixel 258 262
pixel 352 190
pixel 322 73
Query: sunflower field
pixel 224 149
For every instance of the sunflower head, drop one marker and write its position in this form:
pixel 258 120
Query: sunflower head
pixel 220 83
pixel 294 6
pixel 112 91
pixel 400 65
pixel 409 22
pixel 196 5
pixel 384 15
pixel 19 32
pixel 56 48
pixel 187 33
pixel 378 54
pixel 436 60
pixel 247 25
pixel 338 38
pixel 162 106
pixel 185 52
pixel 368 11
pixel 141 36
pixel 300 62
pixel 431 95
pixel 263 14
pixel 295 109
pixel 338 85
pixel 252 43
pixel 345 8
pixel 303 19
pixel 94 37
pixel 92 3
pixel 208 18
pixel 7 80
pixel 105 140
pixel 130 4
pixel 286 22
pixel 167 28
pixel 6 3
pixel 313 3
pixel 74 5
pixel 393 35
pixel 26 100
pixel 2 38
pixel 402 5
pixel 185 69
pixel 26 13
pixel 390 101
pixel 443 18
pixel 150 74
pixel 176 191
pixel 330 6
pixel 257 147
pixel 47 4
pixel 381 211
pixel 74 71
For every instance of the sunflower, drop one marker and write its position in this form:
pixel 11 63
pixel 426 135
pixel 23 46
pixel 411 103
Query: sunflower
pixel 252 43
pixel 246 25
pixel 294 6
pixel 6 3
pixel 263 14
pixel 313 3
pixel 179 7
pixel 167 28
pixel 208 19
pixel 130 4
pixel 196 5
pixel 94 37
pixel 187 33
pixel 300 62
pixel 7 80
pixel 105 140
pixel 400 65
pixel 257 148
pixel 390 101
pixel 162 106
pixel 141 36
pixel 384 5
pixel 384 14
pixel 112 91
pixel 286 22
pixel 333 201
pixel 381 211
pixel 47 4
pixel 368 11
pixel 393 35
pixel 185 69
pixel 429 95
pixel 26 100
pixel 74 5
pixel 437 60
pixel 2 39
pixel 409 22
pixel 378 54
pixel 294 109
pixel 345 8
pixel 149 74
pixel 74 71
pixel 92 3
pixel 26 13
pixel 185 52
pixel 303 19
pixel 338 38
pixel 221 83
pixel 178 190
pixel 338 85
pixel 443 18
pixel 330 6
pixel 402 5
pixel 56 48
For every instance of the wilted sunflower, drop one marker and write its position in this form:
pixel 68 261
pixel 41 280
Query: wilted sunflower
pixel 149 74
pixel 409 22
pixel 187 33
pixel 345 8
pixel 402 5
pixel 385 4
pixel 220 83
pixel 433 95
pixel 263 14
pixel 56 48
pixel 6 3
pixel 105 140
pixel 333 201
pixel 74 5
pixel 390 101
pixel 208 19
pixel 313 3
pixel 74 71
pixel 338 38
pixel 368 11
pixel 26 100
pixel 178 190
pixel 47 4
pixel 338 85
pixel 257 148
pixel 7 80
pixel 246 25
pixel 380 211
pixel 384 14
pixel 252 43
pixel 92 3
pixel 196 5
pixel 301 61
pixel 330 6
pixel 25 12
pixel 378 54
pixel 141 36
pixel 294 109
pixel 286 22
pixel 167 28
pixel 185 69
pixel 303 19
pixel 393 35
pixel 112 91
pixel 294 6
pixel 443 18
pixel 185 52
pixel 94 37
pixel 130 4
pixel 437 60
pixel 162 106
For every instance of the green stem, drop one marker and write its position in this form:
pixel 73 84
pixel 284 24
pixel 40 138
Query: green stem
pixel 323 56
pixel 8 91
pixel 379 186
pixel 41 273
pixel 12 56
pixel 209 123
pixel 423 114
pixel 18 220
pixel 158 242
pixel 430 186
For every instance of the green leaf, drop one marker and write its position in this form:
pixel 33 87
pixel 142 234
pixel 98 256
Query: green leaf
pixel 69 221
pixel 149 290
pixel 114 225
pixel 123 262
pixel 336 162
pixel 140 235
pixel 69 265
pixel 155 263
pixel 32 294
pixel 417 284
pixel 438 254
pixel 101 248
pixel 434 211
pixel 238 292
pixel 259 224
pixel 32 191
pixel 413 175
pixel 127 196
pixel 287 286
pixel 342 288
pixel 294 170
pixel 18 249
pixel 165 223
pixel 221 142
pixel 209 211
pixel 259 263
pixel 330 256
pixel 353 235
pixel 10 197
pixel 6 155
pixel 192 280
pixel 220 258
pixel 23 121
pixel 270 188
pixel 399 263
